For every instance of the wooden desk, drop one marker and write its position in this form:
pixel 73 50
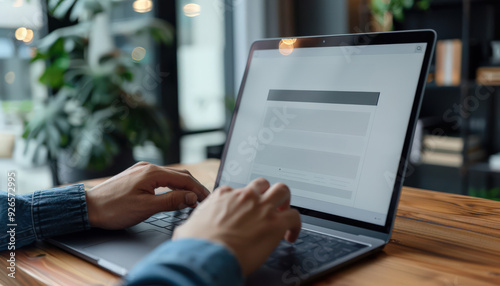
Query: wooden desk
pixel 439 239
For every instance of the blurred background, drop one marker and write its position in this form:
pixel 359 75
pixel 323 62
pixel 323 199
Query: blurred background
pixel 88 87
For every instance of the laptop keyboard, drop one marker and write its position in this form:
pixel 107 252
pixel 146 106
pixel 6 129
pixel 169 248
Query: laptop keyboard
pixel 310 251
pixel 311 248
pixel 169 220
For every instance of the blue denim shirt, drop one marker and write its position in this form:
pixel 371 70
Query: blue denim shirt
pixel 63 210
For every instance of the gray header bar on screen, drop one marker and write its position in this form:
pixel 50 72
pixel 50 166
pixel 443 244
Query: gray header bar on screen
pixel 325 96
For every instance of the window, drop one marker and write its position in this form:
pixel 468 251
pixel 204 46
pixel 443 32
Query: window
pixel 200 58
pixel 21 24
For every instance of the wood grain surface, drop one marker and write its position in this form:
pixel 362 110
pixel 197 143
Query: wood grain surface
pixel 438 239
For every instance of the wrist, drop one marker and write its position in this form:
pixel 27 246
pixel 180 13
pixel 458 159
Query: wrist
pixel 92 211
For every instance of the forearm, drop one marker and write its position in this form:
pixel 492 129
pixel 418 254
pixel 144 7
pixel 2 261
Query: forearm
pixel 187 262
pixel 42 214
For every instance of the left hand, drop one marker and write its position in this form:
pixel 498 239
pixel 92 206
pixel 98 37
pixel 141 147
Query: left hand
pixel 129 197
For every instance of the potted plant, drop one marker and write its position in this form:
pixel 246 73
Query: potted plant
pixel 385 11
pixel 96 115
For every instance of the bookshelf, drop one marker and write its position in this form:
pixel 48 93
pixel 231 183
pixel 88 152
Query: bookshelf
pixel 464 109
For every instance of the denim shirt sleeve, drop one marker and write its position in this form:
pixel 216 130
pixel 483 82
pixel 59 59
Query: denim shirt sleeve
pixel 187 262
pixel 43 214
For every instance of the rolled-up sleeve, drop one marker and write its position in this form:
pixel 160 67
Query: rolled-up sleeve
pixel 43 214
pixel 187 262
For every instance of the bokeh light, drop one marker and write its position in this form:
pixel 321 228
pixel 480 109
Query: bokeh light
pixel 18 3
pixel 191 10
pixel 142 6
pixel 289 41
pixel 285 49
pixel 21 33
pixel 138 54
pixel 24 34
pixel 29 36
pixel 10 77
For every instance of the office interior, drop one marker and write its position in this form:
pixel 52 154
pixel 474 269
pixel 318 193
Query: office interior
pixel 175 68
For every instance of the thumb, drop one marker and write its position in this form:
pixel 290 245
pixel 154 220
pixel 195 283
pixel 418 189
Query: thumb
pixel 174 200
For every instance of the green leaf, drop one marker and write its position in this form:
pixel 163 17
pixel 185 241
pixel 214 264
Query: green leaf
pixel 61 63
pixel 57 48
pixel 63 125
pixel 398 13
pixel 473 192
pixel 53 77
pixel 42 136
pixel 78 31
pixel 54 139
pixel 64 139
pixel 407 4
pixel 85 89
pixel 379 7
pixel 127 75
pixel 52 4
pixel 62 8
pixel 39 56
pixel 423 4
pixel 78 10
pixel 493 193
pixel 94 7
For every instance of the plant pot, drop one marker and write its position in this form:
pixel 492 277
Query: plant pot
pixel 66 174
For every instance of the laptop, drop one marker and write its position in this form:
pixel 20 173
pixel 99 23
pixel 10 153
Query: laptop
pixel 332 117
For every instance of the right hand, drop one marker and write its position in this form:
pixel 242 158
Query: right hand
pixel 250 221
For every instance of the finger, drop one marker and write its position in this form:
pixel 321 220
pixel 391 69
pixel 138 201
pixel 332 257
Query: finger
pixel 178 170
pixel 159 177
pixel 206 192
pixel 259 185
pixel 223 189
pixel 278 196
pixel 174 200
pixel 291 220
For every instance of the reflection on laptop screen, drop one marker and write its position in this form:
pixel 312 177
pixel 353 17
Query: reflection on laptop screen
pixel 329 122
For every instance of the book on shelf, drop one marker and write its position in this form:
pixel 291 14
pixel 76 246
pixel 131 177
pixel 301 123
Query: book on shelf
pixel 488 75
pixel 448 150
pixel 449 143
pixel 451 159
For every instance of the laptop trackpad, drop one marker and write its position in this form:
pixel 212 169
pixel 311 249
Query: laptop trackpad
pixel 127 250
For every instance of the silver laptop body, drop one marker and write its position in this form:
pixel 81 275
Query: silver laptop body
pixel 332 117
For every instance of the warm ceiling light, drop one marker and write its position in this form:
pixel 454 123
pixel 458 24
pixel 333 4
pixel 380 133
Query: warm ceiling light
pixel 29 36
pixel 10 77
pixel 289 41
pixel 142 6
pixel 138 54
pixel 24 34
pixel 191 10
pixel 18 3
pixel 21 33
pixel 285 49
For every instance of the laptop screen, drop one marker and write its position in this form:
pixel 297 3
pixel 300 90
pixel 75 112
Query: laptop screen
pixel 330 122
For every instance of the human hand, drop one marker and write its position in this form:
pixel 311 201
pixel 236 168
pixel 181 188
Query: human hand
pixel 129 197
pixel 250 221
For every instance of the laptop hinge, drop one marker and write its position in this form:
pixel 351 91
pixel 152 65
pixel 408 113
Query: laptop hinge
pixel 354 230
